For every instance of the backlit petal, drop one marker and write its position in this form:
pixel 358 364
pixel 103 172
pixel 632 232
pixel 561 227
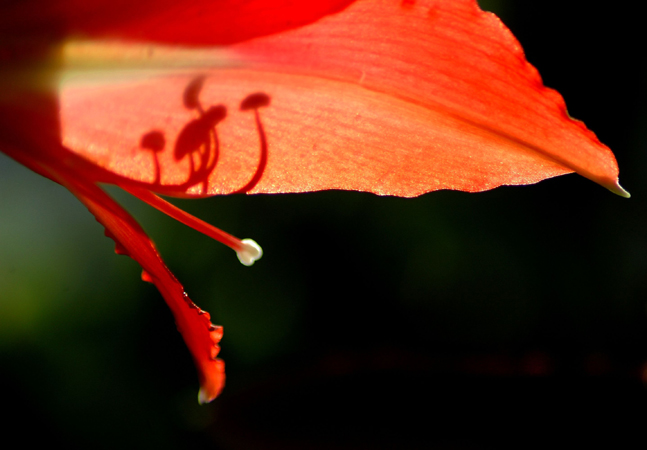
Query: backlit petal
pixel 194 324
pixel 384 96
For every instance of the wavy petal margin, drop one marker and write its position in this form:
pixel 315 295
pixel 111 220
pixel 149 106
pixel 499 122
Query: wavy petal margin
pixel 385 96
pixel 395 98
pixel 194 324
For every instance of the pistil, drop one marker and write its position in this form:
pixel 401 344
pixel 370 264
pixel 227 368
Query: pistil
pixel 248 251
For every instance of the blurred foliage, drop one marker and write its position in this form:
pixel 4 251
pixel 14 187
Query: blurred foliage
pixel 546 279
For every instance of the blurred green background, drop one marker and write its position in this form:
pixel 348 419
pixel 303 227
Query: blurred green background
pixel 364 310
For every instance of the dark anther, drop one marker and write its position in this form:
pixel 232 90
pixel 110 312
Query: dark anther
pixel 153 140
pixel 192 92
pixel 255 101
pixel 195 136
pixel 197 140
pixel 214 115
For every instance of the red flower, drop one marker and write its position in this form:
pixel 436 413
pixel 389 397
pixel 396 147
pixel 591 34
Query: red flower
pixel 261 96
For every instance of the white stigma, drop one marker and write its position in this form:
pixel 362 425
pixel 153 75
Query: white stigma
pixel 250 253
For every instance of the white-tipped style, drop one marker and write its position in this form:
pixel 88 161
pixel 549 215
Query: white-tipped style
pixel 250 252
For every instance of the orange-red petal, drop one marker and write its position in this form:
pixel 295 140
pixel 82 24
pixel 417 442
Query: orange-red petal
pixel 194 324
pixel 384 96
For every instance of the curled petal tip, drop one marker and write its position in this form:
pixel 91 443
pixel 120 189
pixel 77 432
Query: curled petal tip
pixel 617 189
pixel 204 397
pixel 250 252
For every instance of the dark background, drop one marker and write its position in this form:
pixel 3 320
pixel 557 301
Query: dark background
pixel 452 320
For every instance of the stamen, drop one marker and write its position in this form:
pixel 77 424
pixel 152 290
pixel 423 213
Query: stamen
pixel 247 250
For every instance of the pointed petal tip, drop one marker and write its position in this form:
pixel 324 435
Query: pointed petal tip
pixel 617 189
pixel 204 397
pixel 212 376
pixel 207 393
